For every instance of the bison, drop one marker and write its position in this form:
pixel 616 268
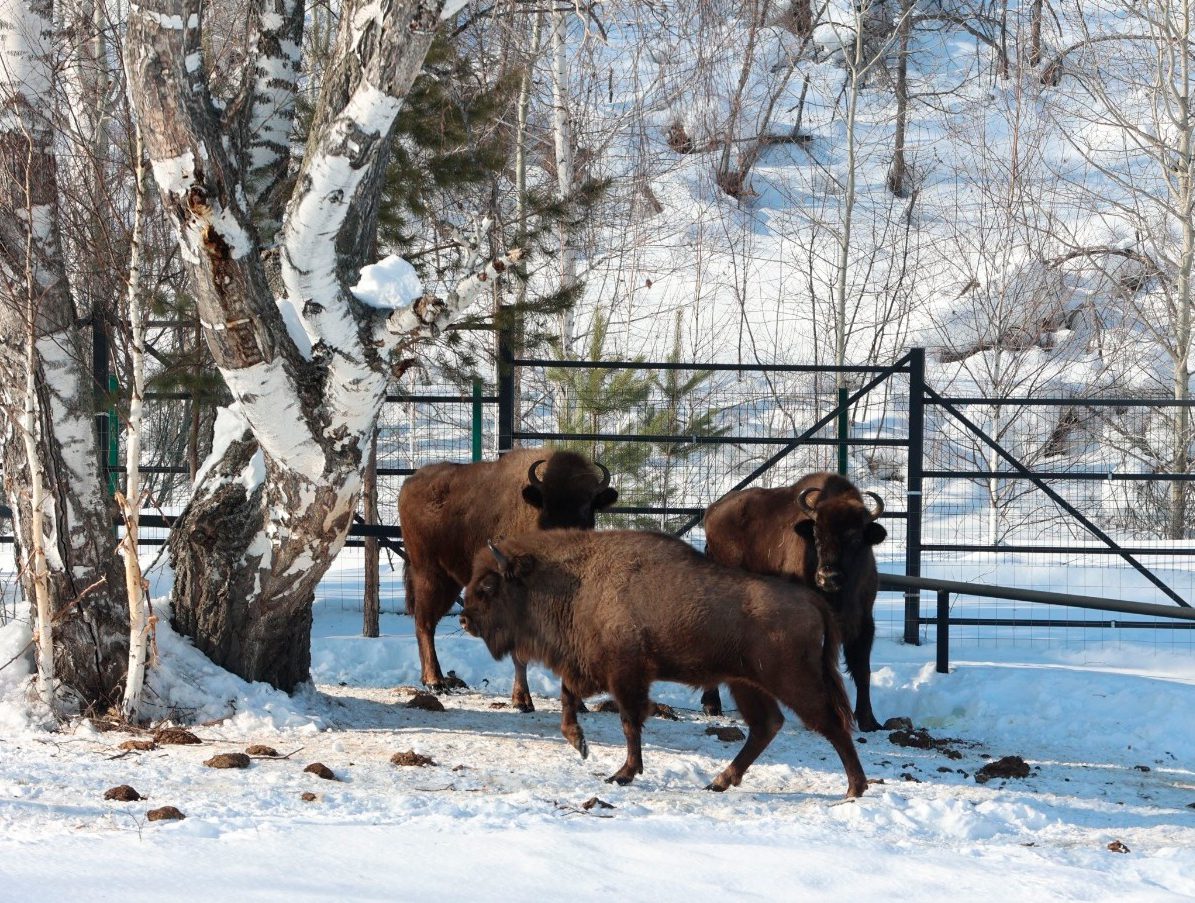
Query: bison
pixel 449 511
pixel 819 532
pixel 617 610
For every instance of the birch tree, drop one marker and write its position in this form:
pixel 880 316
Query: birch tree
pixel 307 363
pixel 47 428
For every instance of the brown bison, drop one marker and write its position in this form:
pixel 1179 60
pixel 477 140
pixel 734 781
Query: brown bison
pixel 819 532
pixel 616 610
pixel 449 511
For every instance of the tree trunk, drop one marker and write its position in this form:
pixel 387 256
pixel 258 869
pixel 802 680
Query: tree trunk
pixel 1035 14
pixel 565 179
pixel 369 505
pixel 140 626
pixel 898 174
pixel 89 634
pixel 308 370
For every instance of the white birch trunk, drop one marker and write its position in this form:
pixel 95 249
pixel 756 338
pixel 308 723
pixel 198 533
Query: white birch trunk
pixel 39 573
pixel 565 178
pixel 48 442
pixel 308 368
pixel 139 614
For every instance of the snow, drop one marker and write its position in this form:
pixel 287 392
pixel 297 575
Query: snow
pixel 389 284
pixel 174 173
pixel 499 816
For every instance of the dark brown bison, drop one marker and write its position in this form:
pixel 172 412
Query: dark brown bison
pixel 819 532
pixel 617 610
pixel 449 511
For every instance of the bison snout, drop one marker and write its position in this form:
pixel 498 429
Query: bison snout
pixel 829 580
pixel 467 625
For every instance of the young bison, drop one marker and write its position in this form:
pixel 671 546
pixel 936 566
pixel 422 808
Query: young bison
pixel 449 511
pixel 619 610
pixel 819 532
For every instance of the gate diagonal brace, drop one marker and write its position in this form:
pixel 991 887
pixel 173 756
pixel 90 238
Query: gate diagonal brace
pixel 1066 506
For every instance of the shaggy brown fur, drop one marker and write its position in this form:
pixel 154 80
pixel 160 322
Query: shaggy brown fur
pixel 449 511
pixel 618 610
pixel 827 544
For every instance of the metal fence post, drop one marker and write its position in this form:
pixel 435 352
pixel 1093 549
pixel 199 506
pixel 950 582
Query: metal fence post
pixel 843 428
pixel 506 390
pixel 477 420
pixel 943 632
pixel 913 487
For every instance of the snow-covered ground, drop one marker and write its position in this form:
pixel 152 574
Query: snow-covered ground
pixel 499 816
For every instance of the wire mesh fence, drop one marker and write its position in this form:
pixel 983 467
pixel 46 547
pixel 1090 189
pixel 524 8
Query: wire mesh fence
pixel 1056 494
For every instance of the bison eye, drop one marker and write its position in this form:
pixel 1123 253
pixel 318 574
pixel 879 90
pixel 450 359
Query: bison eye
pixel 489 584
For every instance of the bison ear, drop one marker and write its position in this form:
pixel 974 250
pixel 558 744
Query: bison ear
pixel 521 566
pixel 605 499
pixel 875 533
pixel 533 496
pixel 804 528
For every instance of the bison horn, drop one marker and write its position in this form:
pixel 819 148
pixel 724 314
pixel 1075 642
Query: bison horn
pixel 531 475
pixel 503 561
pixel 605 474
pixel 879 507
pixel 803 500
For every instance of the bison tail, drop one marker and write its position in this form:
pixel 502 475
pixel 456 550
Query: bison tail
pixel 831 646
pixel 408 585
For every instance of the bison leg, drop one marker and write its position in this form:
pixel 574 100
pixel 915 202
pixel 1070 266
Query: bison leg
pixel 763 718
pixel 633 706
pixel 570 702
pixel 520 696
pixel 858 663
pixel 433 598
pixel 805 692
pixel 711 702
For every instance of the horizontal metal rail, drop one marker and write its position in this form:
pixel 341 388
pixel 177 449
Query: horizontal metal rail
pixel 732 368
pixel 1058 550
pixel 1063 622
pixel 435 399
pixel 699 440
pixel 943 620
pixel 1064 401
pixel 988 591
pixel 1093 476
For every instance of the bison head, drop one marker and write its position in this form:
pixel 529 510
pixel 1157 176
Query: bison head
pixel 840 528
pixel 568 491
pixel 495 599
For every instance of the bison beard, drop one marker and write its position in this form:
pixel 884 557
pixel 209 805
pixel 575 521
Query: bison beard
pixel 618 610
pixel 818 532
pixel 449 511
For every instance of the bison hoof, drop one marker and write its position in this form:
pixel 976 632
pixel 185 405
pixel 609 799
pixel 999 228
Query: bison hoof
pixel 525 707
pixel 716 786
pixel 620 778
pixel 446 684
pixel 581 745
pixel 867 723
pixel 712 709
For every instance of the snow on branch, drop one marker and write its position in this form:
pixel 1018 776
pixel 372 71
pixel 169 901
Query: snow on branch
pixel 426 316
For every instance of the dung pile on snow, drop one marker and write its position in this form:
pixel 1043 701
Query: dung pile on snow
pixel 1006 767
pixel 425 702
pixel 228 760
pixel 122 793
pixel 164 813
pixel 411 758
pixel 175 736
pixel 920 738
pixel 320 770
